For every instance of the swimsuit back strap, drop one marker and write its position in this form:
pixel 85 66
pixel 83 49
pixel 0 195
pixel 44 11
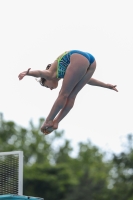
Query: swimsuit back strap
pixel 59 59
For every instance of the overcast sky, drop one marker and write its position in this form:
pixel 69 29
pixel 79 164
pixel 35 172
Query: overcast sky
pixel 34 32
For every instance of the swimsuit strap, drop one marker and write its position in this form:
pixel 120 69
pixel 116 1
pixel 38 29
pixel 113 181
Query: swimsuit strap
pixel 61 56
pixel 59 59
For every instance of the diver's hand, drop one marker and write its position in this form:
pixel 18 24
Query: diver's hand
pixel 23 74
pixel 112 87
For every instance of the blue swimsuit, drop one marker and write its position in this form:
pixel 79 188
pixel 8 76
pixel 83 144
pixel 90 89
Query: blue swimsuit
pixel 64 60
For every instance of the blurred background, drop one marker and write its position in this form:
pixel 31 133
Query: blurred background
pixel 90 156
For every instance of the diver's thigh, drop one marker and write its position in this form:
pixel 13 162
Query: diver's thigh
pixel 74 73
pixel 82 82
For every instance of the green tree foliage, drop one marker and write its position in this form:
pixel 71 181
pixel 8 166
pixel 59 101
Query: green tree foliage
pixel 49 181
pixel 35 145
pixel 122 172
pixel 91 172
pixel 50 170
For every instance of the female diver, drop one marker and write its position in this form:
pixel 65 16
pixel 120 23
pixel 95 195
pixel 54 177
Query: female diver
pixel 76 68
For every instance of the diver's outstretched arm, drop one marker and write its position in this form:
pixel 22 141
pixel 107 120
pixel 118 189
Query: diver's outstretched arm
pixel 98 83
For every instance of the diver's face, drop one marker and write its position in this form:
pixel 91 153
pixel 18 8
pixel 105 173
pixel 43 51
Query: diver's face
pixel 51 84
